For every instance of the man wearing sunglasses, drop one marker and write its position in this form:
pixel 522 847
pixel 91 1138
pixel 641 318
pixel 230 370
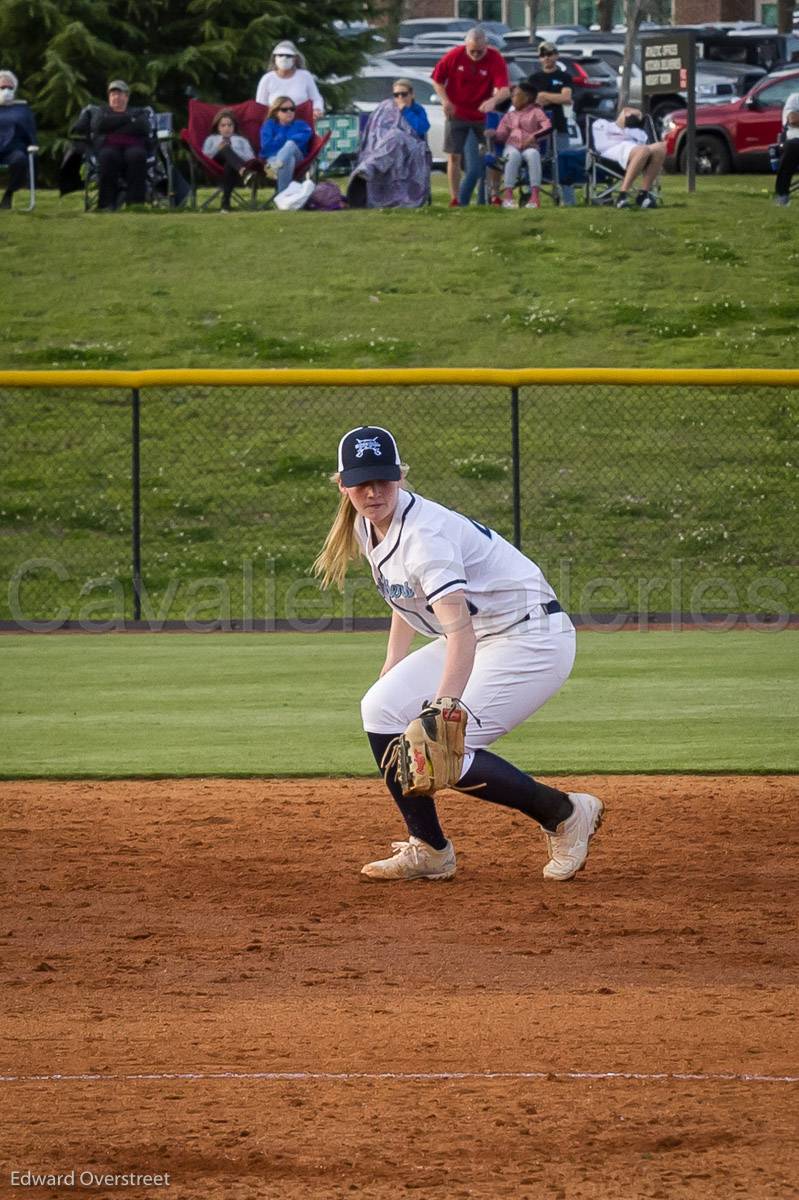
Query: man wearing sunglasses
pixel 470 80
pixel 553 82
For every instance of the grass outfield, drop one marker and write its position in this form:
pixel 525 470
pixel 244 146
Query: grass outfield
pixel 706 281
pixel 150 705
pixel 682 501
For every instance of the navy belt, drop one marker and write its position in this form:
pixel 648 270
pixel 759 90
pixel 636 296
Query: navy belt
pixel 551 607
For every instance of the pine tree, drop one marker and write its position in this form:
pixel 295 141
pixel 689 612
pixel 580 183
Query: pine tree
pixel 66 51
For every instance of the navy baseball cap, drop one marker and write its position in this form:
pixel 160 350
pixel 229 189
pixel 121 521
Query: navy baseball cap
pixel 368 452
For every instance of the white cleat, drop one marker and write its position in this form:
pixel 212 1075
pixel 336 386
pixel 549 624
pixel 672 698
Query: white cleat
pixel 413 860
pixel 568 847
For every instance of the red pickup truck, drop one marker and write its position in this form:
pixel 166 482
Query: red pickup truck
pixel 734 136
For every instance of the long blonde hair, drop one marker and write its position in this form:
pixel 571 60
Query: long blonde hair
pixel 341 546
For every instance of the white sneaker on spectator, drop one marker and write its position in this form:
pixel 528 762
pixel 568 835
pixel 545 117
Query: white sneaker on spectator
pixel 413 859
pixel 568 846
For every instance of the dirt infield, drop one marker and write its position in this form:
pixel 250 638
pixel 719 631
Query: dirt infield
pixel 218 932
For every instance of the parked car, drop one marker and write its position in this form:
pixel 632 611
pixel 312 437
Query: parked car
pixel 755 47
pixel 734 136
pixel 446 41
pixel 410 30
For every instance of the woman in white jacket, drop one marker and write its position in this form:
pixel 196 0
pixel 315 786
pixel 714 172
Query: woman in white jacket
pixel 286 76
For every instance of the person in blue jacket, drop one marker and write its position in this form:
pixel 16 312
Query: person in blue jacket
pixel 17 132
pixel 412 112
pixel 284 140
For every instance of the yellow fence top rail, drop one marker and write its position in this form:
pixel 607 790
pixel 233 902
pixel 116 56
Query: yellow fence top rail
pixel 407 377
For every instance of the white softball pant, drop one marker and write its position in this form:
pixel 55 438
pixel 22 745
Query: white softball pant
pixel 512 677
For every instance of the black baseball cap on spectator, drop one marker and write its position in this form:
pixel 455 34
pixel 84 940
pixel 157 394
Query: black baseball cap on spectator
pixel 547 48
pixel 368 452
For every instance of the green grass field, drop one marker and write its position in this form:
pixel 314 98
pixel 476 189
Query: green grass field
pixel 616 485
pixel 708 280
pixel 154 705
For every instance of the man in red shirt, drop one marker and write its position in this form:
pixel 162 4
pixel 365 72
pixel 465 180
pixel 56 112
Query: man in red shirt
pixel 470 80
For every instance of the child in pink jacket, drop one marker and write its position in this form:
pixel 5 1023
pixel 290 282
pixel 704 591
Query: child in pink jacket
pixel 520 129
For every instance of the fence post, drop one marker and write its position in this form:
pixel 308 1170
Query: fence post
pixel 135 505
pixel 515 455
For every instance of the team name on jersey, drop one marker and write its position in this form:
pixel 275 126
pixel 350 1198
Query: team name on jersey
pixel 394 591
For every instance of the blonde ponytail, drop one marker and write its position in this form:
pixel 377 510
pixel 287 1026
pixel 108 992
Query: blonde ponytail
pixel 340 548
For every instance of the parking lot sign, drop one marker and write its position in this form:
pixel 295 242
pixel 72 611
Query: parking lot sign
pixel 668 64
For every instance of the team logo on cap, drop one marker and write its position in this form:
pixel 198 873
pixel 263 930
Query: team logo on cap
pixel 364 444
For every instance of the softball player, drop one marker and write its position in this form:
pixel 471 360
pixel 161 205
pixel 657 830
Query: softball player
pixel 500 642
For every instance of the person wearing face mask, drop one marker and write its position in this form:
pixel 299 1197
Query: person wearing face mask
pixel 624 141
pixel 286 75
pixel 17 133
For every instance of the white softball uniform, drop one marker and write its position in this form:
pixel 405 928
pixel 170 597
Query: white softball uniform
pixel 525 643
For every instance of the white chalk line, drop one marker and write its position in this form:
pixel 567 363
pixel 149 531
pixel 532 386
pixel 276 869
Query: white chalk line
pixel 402 1076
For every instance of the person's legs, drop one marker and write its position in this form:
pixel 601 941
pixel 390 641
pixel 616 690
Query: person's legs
pixel 455 133
pixel 566 190
pixel 657 156
pixel 637 161
pixel 109 166
pixel 285 163
pixel 789 165
pixel 473 163
pixel 136 173
pixel 533 159
pixel 511 679
pixel 229 180
pixel 17 163
pixel 513 162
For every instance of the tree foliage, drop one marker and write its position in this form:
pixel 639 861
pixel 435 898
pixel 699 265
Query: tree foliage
pixel 65 51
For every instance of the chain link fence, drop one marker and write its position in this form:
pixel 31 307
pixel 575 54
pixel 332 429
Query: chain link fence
pixel 209 504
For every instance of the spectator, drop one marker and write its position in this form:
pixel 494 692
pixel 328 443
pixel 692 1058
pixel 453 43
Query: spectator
pixel 227 146
pixel 286 76
pixel 412 114
pixel 624 141
pixel 393 169
pixel 789 158
pixel 470 80
pixel 121 137
pixel 17 132
pixel 520 130
pixel 284 140
pixel 553 83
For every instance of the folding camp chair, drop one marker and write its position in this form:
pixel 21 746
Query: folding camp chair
pixel 160 182
pixel 603 176
pixel 341 151
pixel 249 116
pixel 31 151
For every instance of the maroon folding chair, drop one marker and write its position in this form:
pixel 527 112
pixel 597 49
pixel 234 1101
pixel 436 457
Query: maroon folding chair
pixel 315 146
pixel 250 116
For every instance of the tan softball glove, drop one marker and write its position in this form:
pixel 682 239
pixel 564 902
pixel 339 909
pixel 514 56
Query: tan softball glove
pixel 429 754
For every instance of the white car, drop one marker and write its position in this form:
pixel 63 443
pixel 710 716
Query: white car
pixel 374 84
